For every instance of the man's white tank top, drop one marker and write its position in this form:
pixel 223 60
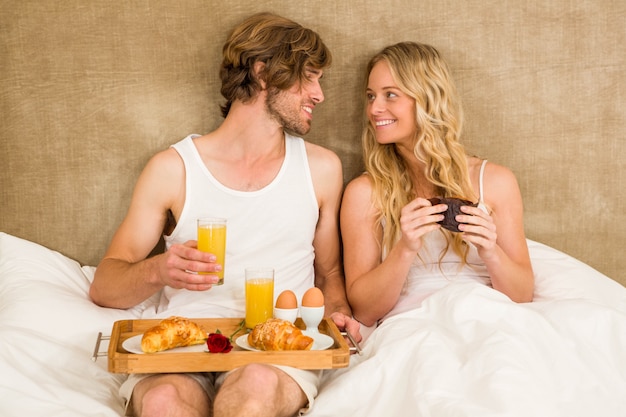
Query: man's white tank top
pixel 273 226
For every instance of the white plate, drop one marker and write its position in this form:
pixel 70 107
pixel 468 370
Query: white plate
pixel 320 341
pixel 133 345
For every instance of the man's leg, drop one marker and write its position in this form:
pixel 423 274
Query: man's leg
pixel 259 390
pixel 172 395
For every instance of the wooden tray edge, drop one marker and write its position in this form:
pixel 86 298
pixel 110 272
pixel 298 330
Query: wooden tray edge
pixel 120 361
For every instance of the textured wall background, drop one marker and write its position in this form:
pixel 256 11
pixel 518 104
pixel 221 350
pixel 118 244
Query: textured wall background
pixel 90 90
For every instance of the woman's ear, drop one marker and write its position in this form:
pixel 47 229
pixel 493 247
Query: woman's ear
pixel 259 73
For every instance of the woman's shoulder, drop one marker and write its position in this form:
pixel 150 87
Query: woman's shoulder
pixel 493 174
pixel 358 194
pixel 357 200
pixel 499 184
pixel 360 183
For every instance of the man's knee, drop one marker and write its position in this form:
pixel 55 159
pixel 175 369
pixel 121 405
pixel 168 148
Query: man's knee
pixel 256 377
pixel 158 399
pixel 164 394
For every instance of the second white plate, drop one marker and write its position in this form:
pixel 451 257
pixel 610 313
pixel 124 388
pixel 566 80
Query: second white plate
pixel 320 341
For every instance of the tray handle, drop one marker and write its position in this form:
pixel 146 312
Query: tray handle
pixel 96 349
pixel 355 346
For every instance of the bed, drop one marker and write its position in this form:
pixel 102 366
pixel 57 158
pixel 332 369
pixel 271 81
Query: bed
pixel 89 91
pixel 467 351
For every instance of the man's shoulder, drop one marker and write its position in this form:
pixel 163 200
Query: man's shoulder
pixel 166 162
pixel 319 155
pixel 171 154
pixel 315 150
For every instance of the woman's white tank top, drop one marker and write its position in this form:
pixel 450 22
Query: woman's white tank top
pixel 273 226
pixel 431 272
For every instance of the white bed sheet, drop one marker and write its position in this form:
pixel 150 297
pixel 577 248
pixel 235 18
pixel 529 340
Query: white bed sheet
pixel 468 351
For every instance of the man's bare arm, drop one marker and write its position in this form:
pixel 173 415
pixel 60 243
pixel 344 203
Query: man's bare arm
pixel 125 276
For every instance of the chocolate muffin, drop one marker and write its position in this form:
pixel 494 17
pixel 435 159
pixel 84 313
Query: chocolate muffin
pixel 454 208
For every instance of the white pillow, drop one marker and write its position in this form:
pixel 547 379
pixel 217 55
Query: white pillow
pixel 48 331
pixel 46 292
pixel 559 276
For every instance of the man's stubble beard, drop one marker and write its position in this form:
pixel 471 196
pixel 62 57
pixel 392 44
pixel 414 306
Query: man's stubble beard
pixel 285 113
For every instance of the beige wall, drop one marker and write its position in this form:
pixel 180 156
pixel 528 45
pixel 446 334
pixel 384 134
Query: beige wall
pixel 89 90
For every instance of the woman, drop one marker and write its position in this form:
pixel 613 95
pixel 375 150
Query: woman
pixel 395 251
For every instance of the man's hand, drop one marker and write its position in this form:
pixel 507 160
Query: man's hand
pixel 181 265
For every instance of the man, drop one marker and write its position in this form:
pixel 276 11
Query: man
pixel 281 196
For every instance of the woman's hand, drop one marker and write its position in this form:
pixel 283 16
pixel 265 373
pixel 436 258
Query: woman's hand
pixel 479 229
pixel 418 218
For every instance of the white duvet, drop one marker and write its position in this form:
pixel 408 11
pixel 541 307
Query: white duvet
pixel 467 351
pixel 470 351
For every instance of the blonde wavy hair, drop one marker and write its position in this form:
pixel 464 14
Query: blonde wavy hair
pixel 423 75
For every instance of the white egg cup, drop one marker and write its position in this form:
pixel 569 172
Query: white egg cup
pixel 289 314
pixel 312 317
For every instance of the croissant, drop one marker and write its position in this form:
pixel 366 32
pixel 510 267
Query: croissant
pixel 277 334
pixel 171 333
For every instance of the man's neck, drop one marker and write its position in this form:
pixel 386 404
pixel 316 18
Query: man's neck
pixel 249 127
pixel 247 150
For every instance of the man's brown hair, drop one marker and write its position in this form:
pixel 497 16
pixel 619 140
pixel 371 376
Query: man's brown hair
pixel 285 47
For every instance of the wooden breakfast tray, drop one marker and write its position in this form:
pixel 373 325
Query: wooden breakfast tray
pixel 121 361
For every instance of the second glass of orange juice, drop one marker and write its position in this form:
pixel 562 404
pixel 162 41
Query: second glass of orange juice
pixel 212 239
pixel 259 295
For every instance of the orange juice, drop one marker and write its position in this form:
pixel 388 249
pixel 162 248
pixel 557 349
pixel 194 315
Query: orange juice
pixel 212 239
pixel 259 300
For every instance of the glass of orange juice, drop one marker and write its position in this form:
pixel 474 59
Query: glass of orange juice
pixel 212 239
pixel 259 295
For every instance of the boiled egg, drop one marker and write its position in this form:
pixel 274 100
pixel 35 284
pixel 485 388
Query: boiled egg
pixel 313 297
pixel 287 300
